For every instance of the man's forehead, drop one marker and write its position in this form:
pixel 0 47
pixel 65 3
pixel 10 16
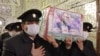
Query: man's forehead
pixel 32 22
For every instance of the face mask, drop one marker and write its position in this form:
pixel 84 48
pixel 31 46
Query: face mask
pixel 85 35
pixel 17 33
pixel 14 33
pixel 32 29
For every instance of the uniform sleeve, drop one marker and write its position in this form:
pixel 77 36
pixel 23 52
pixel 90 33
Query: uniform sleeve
pixel 89 49
pixel 8 49
pixel 56 51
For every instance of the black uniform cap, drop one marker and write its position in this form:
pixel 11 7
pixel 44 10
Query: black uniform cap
pixel 16 26
pixel 31 15
pixel 9 26
pixel 87 26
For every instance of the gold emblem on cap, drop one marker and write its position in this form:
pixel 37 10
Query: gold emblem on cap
pixel 34 15
pixel 88 27
pixel 17 26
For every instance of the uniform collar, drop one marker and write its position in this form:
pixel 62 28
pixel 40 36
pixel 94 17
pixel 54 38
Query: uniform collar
pixel 27 39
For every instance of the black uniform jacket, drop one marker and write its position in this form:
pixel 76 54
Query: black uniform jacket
pixel 75 51
pixel 87 51
pixel 3 37
pixel 21 45
pixel 64 51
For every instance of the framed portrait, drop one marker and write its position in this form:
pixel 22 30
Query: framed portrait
pixel 62 23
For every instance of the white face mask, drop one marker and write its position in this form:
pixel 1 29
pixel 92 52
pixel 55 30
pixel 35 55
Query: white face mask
pixel 32 29
pixel 85 35
pixel 14 33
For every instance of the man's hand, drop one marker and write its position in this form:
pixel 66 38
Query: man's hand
pixel 79 42
pixel 52 41
pixel 37 51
